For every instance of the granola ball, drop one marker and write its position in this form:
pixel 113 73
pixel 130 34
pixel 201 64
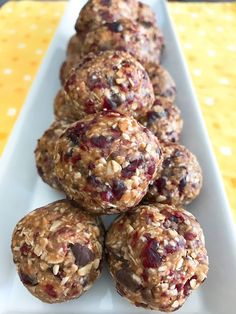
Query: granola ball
pixel 61 109
pixel 74 45
pixel 157 256
pixel 164 120
pixel 98 12
pixel 113 80
pixel 143 41
pixel 180 179
pixel 44 153
pixel 58 251
pixel 106 161
pixel 163 83
pixel 70 62
pixel 145 15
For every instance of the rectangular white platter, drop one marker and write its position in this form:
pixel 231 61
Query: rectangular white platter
pixel 21 190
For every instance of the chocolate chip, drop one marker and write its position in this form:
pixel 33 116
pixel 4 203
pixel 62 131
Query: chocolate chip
pixel 182 184
pixel 83 255
pixel 28 279
pixel 118 189
pixel 124 277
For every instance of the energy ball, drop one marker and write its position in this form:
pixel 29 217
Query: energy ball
pixel 113 80
pixel 180 179
pixel 164 120
pixel 106 161
pixel 71 62
pixel 98 12
pixel 145 15
pixel 58 251
pixel 61 109
pixel 74 45
pixel 144 42
pixel 157 256
pixel 163 83
pixel 44 153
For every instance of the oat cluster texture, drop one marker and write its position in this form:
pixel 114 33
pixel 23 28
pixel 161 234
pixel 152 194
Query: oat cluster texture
pixel 113 148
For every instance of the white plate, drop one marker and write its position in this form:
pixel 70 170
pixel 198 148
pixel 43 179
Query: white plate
pixel 21 190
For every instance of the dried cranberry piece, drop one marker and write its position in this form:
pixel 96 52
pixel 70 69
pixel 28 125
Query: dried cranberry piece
pixel 83 255
pixel 25 249
pixel 89 107
pixel 28 279
pixel 100 141
pixel 118 189
pixel 135 238
pixel 49 289
pixel 170 249
pixel 124 277
pixel 179 287
pixel 106 2
pixel 151 169
pixel 145 275
pixel 160 184
pixel 94 81
pixel 106 196
pixel 190 236
pixel 115 27
pixel 75 158
pixel 182 185
pixel 70 81
pixel 129 171
pixel 150 257
pixel 65 157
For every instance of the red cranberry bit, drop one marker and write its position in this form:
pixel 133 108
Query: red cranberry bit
pixel 25 249
pixel 106 2
pixel 151 169
pixel 70 82
pixel 106 196
pixel 150 257
pixel 170 249
pixel 109 105
pixel 115 27
pixel 130 170
pixel 145 275
pixel 118 189
pixel 160 184
pixel 28 279
pixel 135 238
pixel 89 107
pixel 100 141
pixel 49 289
pixel 190 236
pixel 75 158
pixel 179 287
pixel 83 255
pixel 94 81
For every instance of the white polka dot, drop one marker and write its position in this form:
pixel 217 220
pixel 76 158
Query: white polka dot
pixel 9 10
pixel 57 13
pixel 231 48
pixel 11 31
pixel 49 30
pixel 194 15
pixel 219 29
pixel 210 12
pixel 197 72
pixel 209 101
pixel 21 45
pixel 224 81
pixel 228 17
pixel 7 71
pixel 181 28
pixel 11 112
pixel 33 27
pixel 225 150
pixel 211 53
pixel 23 15
pixel 38 51
pixel 42 12
pixel 188 46
pixel 201 33
pixel 27 77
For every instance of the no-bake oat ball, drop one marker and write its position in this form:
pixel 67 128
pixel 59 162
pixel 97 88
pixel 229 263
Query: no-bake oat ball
pixel 163 83
pixel 98 12
pixel 143 41
pixel 145 15
pixel 61 109
pixel 106 161
pixel 44 153
pixel 164 120
pixel 157 256
pixel 113 80
pixel 74 45
pixel 58 251
pixel 180 179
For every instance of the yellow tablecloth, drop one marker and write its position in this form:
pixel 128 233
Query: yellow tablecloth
pixel 207 34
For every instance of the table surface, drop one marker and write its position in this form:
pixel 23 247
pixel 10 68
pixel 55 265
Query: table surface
pixel 207 36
